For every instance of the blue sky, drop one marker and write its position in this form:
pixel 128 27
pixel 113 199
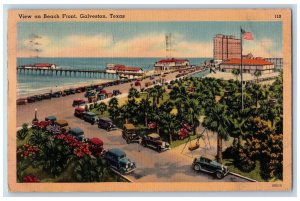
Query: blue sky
pixel 188 37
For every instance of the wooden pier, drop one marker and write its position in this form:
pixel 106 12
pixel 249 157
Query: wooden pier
pixel 76 73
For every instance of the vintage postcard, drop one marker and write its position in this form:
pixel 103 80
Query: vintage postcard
pixel 149 100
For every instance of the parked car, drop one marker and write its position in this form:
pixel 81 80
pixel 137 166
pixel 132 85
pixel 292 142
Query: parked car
pixel 31 99
pixel 47 96
pixel 99 88
pixel 209 165
pixel 77 133
pixel 51 118
pixel 64 125
pixel 21 101
pixel 154 141
pixel 106 123
pixel 90 117
pixel 72 91
pixel 57 94
pixel 129 133
pixel 117 160
pixel 78 102
pixel 101 96
pixel 78 112
pixel 96 146
pixel 116 92
pixel 92 99
pixel 89 93
pixel 137 83
pixel 38 98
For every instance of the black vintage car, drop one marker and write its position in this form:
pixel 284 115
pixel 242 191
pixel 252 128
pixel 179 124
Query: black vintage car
pixel 31 99
pixel 90 117
pixel 129 133
pixel 47 96
pixel 77 133
pixel 116 92
pixel 106 123
pixel 154 141
pixel 118 161
pixel 209 165
pixel 57 94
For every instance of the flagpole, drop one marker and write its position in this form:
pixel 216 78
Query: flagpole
pixel 241 34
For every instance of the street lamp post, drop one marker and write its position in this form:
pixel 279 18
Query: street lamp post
pixel 35 116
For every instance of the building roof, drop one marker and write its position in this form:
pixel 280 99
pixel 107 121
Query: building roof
pixel 172 60
pixel 125 68
pixel 253 62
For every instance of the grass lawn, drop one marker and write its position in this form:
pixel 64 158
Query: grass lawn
pixel 177 143
pixel 254 174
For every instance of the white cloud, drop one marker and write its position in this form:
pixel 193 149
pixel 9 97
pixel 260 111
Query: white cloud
pixel 261 48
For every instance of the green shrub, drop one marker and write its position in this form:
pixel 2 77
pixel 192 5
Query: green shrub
pixel 21 134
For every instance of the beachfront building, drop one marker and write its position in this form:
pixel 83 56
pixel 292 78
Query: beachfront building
pixel 171 64
pixel 278 63
pixel 249 65
pixel 226 47
pixel 120 68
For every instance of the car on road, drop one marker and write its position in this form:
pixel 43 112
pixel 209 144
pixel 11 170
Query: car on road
pixel 129 133
pixel 90 93
pixel 154 141
pixel 57 94
pixel 78 112
pixel 51 118
pixel 116 92
pixel 106 123
pixel 64 125
pixel 77 133
pixel 21 101
pixel 31 99
pixel 78 102
pixel 90 117
pixel 209 165
pixel 47 96
pixel 116 159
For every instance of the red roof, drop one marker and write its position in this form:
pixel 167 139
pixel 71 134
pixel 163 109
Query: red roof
pixel 125 68
pixel 251 62
pixel 96 141
pixel 43 65
pixel 172 60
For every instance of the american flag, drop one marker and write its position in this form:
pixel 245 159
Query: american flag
pixel 246 35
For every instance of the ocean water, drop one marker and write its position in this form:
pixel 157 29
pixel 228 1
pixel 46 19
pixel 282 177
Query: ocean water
pixel 30 84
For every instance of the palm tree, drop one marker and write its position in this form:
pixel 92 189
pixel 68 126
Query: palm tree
pixel 236 73
pixel 217 121
pixel 144 107
pixel 133 93
pixel 102 108
pixel 113 108
pixel 153 93
pixel 191 112
pixel 169 124
pixel 257 74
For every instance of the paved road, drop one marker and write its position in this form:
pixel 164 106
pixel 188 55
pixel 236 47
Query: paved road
pixel 151 166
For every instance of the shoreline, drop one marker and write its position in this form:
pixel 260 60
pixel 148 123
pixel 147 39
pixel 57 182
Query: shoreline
pixel 61 88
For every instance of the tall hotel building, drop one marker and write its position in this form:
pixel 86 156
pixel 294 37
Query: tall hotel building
pixel 226 47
